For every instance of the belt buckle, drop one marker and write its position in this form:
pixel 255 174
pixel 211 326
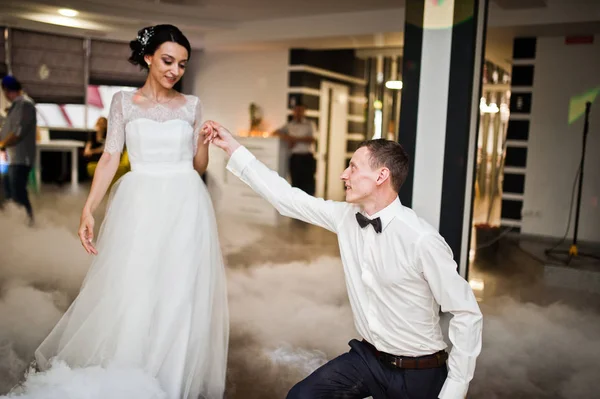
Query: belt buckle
pixel 440 357
pixel 397 362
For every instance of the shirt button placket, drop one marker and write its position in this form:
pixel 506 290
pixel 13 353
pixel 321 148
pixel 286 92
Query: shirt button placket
pixel 369 280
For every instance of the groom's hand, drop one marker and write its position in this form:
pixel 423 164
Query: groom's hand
pixel 221 137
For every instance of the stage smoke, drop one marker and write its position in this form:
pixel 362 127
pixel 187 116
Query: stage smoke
pixel 286 318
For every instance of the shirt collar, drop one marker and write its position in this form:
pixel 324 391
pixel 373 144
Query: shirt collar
pixel 388 213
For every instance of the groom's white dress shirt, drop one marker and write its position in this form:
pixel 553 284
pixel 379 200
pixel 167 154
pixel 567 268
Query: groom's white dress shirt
pixel 397 279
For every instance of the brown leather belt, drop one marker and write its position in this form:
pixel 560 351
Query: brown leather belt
pixel 437 359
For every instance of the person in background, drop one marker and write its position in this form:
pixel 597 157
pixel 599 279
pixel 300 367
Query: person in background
pixel 299 133
pixel 18 141
pixel 95 145
pixel 3 174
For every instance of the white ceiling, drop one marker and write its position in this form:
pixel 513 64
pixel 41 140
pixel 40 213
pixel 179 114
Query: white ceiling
pixel 110 17
pixel 253 24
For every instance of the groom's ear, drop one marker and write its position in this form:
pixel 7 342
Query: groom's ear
pixel 383 176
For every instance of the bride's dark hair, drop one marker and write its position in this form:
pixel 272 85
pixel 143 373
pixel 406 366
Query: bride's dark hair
pixel 151 37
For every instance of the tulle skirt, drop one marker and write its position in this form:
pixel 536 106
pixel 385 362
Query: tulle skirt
pixel 154 300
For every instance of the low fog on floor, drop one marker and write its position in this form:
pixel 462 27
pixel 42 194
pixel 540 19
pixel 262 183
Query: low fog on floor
pixel 286 318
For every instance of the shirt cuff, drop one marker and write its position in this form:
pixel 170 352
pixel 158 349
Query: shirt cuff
pixel 239 160
pixel 453 390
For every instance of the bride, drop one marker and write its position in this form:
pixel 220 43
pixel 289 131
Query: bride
pixel 154 298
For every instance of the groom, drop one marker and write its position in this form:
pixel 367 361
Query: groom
pixel 399 271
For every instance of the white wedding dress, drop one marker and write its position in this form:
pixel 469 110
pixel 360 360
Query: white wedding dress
pixel 154 302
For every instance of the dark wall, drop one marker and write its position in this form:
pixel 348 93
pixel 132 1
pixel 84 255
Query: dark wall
pixel 340 61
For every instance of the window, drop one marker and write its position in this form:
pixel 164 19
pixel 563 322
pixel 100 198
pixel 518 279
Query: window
pixel 74 115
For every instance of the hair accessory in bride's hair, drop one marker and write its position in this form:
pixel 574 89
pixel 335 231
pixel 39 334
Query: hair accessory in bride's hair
pixel 144 38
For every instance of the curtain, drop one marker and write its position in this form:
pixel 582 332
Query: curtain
pixel 109 65
pixel 50 67
pixel 3 66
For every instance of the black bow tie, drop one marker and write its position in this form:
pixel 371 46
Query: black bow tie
pixel 364 221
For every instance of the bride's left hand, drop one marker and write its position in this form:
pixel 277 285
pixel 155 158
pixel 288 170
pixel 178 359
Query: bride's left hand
pixel 223 138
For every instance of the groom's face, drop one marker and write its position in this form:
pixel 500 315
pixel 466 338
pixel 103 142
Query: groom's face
pixel 359 177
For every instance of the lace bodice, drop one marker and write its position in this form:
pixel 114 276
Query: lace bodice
pixel 124 110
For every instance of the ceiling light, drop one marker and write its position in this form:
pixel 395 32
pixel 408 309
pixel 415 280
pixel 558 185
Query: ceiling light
pixel 64 21
pixel 67 12
pixel 394 84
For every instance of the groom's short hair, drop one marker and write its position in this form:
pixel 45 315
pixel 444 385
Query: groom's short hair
pixel 389 154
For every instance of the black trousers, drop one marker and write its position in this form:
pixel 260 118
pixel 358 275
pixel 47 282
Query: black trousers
pixel 302 171
pixel 15 186
pixel 359 374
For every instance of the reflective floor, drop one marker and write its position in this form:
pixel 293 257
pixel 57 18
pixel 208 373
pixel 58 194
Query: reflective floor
pixel 289 309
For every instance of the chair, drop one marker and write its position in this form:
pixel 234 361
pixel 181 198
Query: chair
pixel 123 168
pixel 32 183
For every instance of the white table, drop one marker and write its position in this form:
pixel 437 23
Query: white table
pixel 60 146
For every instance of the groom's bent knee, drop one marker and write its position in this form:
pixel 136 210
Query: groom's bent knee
pixel 300 391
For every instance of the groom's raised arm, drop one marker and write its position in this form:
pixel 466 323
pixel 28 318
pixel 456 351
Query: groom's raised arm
pixel 289 201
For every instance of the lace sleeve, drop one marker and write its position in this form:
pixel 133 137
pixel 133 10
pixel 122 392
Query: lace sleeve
pixel 198 114
pixel 115 135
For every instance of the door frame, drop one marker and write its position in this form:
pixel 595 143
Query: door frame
pixel 332 145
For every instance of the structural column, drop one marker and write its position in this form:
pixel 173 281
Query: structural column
pixel 444 44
